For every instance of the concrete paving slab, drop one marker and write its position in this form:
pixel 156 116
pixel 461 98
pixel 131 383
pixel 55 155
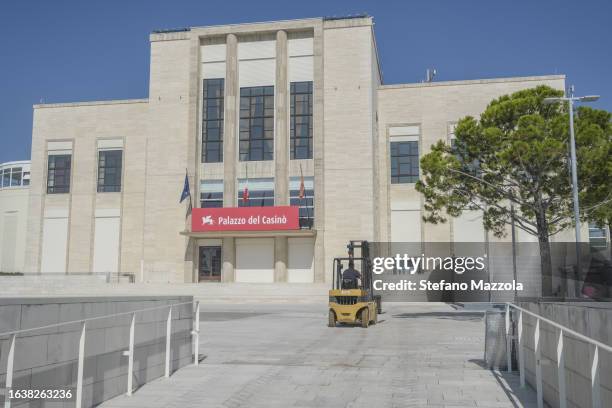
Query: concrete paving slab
pixel 420 355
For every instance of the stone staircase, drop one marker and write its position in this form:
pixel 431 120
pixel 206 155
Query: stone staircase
pixel 209 292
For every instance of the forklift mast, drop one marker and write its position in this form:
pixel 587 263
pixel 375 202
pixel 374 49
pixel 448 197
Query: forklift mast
pixel 366 261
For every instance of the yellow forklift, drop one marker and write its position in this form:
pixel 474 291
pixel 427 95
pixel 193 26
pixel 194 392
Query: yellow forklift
pixel 352 301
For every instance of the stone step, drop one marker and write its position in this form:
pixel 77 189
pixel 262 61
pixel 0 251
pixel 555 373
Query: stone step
pixel 209 292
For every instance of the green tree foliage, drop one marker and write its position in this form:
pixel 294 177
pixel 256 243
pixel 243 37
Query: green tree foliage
pixel 514 157
pixel 594 146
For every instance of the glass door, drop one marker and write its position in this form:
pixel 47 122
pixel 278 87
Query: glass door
pixel 209 265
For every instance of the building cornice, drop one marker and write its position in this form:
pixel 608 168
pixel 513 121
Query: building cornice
pixel 472 82
pixel 90 103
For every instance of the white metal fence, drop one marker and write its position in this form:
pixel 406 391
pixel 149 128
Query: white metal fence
pixel 563 332
pixel 129 353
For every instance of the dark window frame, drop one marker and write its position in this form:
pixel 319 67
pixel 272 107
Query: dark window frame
pixel 301 146
pixel 110 174
pixel 256 129
pixel 58 177
pixel 407 159
pixel 213 113
pixel 306 206
pixel 16 176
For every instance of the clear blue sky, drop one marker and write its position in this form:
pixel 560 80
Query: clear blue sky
pixel 63 51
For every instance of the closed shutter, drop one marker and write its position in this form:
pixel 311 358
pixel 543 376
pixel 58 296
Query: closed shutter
pixel 255 260
pixel 468 227
pixel 54 245
pixel 212 53
pixel 405 226
pixel 9 242
pixel 106 244
pixel 249 50
pixel 257 73
pixel 298 47
pixel 301 69
pixel 301 257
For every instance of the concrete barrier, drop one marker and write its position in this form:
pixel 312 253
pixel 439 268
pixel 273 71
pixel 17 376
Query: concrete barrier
pixel 47 358
pixel 590 319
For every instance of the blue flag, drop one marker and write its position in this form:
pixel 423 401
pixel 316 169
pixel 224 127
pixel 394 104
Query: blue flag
pixel 186 193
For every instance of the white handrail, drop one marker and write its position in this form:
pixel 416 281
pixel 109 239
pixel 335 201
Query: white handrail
pixel 90 319
pixel 595 384
pixel 566 330
pixel 81 354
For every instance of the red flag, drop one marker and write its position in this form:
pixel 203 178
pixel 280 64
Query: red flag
pixel 245 193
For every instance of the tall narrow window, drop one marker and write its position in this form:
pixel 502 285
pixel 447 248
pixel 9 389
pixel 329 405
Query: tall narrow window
pixel 301 120
pixel 5 175
pixel 109 171
pixel 212 120
pixel 16 176
pixel 58 173
pixel 306 203
pixel 211 194
pixel 257 123
pixel 404 162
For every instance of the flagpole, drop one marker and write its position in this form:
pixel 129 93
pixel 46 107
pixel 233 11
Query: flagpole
pixel 303 196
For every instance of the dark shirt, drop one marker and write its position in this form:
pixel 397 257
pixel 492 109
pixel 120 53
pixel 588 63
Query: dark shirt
pixel 351 273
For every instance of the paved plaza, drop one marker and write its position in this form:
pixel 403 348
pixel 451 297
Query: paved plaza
pixel 418 355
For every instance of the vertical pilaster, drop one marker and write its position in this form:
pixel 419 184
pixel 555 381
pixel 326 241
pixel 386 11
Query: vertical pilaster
pixel 318 139
pixel 281 258
pixel 229 260
pixel 230 122
pixel 281 134
pixel 281 150
pixel 229 150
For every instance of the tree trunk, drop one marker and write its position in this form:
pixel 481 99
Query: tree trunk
pixel 545 257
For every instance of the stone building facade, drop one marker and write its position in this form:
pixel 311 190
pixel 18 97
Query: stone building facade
pixel 268 107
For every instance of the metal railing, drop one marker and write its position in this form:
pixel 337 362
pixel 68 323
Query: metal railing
pixel 195 336
pixel 563 331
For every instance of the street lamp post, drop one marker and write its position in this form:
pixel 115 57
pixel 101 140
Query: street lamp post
pixel 571 99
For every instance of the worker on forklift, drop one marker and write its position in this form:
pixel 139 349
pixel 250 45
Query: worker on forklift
pixel 350 276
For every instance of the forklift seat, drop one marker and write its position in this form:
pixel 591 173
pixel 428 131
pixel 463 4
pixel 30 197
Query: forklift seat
pixel 349 283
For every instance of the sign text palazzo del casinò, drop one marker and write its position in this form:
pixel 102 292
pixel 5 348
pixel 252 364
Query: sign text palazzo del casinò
pixel 245 219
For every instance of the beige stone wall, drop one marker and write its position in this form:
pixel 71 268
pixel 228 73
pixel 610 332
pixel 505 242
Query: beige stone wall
pixel 352 114
pixel 171 146
pixel 434 106
pixel 13 203
pixel 83 124
pixel 348 144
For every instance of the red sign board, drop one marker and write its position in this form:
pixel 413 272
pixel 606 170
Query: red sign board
pixel 245 219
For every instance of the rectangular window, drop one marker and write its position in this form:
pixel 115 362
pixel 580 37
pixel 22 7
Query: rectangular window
pixel 211 194
pixel 404 162
pixel 597 237
pixel 257 123
pixel 306 204
pixel 109 171
pixel 261 192
pixel 16 176
pixel 212 120
pixel 26 178
pixel 301 120
pixel 5 175
pixel 58 173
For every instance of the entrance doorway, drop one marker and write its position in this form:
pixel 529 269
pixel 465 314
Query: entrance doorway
pixel 209 265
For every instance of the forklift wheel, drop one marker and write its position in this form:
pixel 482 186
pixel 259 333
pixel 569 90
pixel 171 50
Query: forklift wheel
pixel 332 319
pixel 365 318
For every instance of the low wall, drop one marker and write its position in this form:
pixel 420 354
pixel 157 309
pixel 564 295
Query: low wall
pixel 590 319
pixel 47 359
